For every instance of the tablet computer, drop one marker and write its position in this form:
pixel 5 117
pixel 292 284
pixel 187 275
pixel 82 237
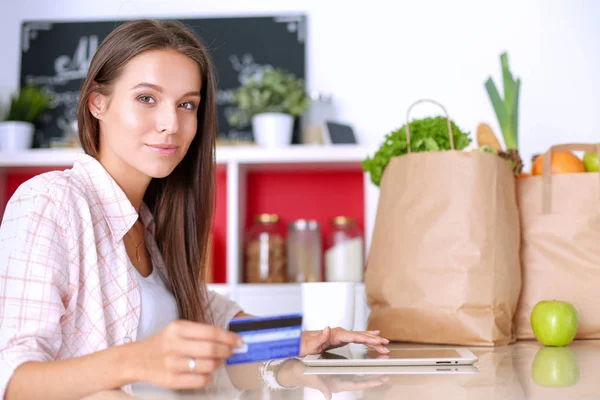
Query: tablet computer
pixel 393 370
pixel 364 356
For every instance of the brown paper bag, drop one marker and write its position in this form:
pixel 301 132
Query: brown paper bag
pixel 444 260
pixel 560 254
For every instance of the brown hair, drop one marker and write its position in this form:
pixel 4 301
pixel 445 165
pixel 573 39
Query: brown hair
pixel 182 203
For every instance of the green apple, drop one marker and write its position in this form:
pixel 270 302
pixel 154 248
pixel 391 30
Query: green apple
pixel 555 367
pixel 554 323
pixel 590 160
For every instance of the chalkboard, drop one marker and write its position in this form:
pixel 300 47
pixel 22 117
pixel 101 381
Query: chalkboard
pixel 56 55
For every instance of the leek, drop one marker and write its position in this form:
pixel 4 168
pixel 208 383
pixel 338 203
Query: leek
pixel 507 109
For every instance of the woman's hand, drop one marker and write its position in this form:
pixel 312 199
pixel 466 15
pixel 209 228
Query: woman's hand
pixel 183 355
pixel 316 342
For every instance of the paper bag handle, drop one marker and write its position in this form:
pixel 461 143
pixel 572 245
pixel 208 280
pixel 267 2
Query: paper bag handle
pixel 547 175
pixel 408 124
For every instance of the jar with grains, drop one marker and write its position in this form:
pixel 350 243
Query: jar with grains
pixel 265 253
pixel 344 260
pixel 304 251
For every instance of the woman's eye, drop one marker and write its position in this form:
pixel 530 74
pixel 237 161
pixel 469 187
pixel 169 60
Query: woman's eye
pixel 146 99
pixel 188 105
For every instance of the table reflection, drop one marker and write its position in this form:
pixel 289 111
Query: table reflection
pixel 524 370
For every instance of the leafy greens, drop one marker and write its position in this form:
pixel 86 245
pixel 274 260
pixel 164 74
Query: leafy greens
pixel 427 134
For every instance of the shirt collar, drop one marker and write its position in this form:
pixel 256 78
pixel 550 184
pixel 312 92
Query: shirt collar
pixel 117 210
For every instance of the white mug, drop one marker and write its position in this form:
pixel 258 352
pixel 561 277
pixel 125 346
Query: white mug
pixel 328 304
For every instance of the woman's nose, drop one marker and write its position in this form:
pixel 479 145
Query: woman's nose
pixel 166 120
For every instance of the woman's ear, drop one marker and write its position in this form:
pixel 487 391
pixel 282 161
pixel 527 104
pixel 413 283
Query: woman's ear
pixel 97 103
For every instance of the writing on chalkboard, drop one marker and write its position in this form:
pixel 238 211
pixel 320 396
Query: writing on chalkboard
pixel 76 67
pixel 67 68
pixel 57 55
pixel 30 32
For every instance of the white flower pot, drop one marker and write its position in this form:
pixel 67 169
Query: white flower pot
pixel 273 129
pixel 16 135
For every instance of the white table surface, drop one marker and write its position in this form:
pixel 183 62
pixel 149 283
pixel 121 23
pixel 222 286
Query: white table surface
pixel 518 371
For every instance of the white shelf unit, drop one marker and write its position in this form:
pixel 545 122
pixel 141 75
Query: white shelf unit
pixel 263 299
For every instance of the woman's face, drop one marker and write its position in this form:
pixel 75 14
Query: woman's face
pixel 149 119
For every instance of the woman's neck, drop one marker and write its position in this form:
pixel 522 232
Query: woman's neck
pixel 133 182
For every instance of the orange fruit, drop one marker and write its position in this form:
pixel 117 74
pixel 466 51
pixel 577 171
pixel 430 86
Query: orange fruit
pixel 563 162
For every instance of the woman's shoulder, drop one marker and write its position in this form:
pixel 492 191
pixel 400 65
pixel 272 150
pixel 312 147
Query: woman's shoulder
pixel 41 208
pixel 61 188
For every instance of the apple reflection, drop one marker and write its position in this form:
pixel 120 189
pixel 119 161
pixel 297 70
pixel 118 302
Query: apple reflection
pixel 555 367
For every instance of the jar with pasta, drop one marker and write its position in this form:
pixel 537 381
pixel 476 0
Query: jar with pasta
pixel 265 251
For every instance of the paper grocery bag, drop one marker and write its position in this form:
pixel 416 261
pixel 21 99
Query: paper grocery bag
pixel 560 254
pixel 444 265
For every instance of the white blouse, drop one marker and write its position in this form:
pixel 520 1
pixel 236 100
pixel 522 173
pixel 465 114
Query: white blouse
pixel 159 307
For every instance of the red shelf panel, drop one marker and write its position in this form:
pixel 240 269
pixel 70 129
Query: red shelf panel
pixel 318 195
pixel 313 195
pixel 219 250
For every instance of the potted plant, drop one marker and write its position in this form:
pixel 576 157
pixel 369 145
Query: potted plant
pixel 17 128
pixel 270 100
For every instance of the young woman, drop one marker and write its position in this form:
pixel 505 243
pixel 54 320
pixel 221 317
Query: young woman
pixel 101 264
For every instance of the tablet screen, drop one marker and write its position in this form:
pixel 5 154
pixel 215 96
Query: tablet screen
pixel 417 353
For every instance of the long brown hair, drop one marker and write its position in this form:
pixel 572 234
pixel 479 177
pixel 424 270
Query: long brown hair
pixel 182 203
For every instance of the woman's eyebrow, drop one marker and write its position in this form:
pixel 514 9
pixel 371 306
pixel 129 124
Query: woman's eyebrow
pixel 149 85
pixel 160 89
pixel 192 93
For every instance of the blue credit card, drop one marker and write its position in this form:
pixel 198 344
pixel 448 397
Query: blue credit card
pixel 266 338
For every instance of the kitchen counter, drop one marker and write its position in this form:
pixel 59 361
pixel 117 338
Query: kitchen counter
pixel 524 370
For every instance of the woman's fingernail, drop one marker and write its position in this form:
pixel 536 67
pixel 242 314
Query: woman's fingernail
pixel 385 341
pixel 386 350
pixel 240 343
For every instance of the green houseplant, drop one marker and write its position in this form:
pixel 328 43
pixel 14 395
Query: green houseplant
pixel 25 107
pixel 269 100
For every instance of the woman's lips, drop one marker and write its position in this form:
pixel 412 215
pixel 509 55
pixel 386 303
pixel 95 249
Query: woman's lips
pixel 163 149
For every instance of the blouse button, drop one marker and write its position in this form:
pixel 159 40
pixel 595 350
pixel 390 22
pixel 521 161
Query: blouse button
pixel 127 339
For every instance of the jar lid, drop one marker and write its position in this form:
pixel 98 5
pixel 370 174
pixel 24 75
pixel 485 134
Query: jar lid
pixel 304 225
pixel 267 218
pixel 341 220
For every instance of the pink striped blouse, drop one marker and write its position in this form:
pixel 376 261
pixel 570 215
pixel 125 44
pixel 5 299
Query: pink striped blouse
pixel 66 288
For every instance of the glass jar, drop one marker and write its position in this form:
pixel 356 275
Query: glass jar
pixel 265 260
pixel 344 260
pixel 304 251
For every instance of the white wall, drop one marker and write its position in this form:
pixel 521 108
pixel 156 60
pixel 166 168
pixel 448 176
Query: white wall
pixel 378 58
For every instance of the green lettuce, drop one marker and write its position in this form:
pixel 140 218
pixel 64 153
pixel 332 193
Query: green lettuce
pixel 427 134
